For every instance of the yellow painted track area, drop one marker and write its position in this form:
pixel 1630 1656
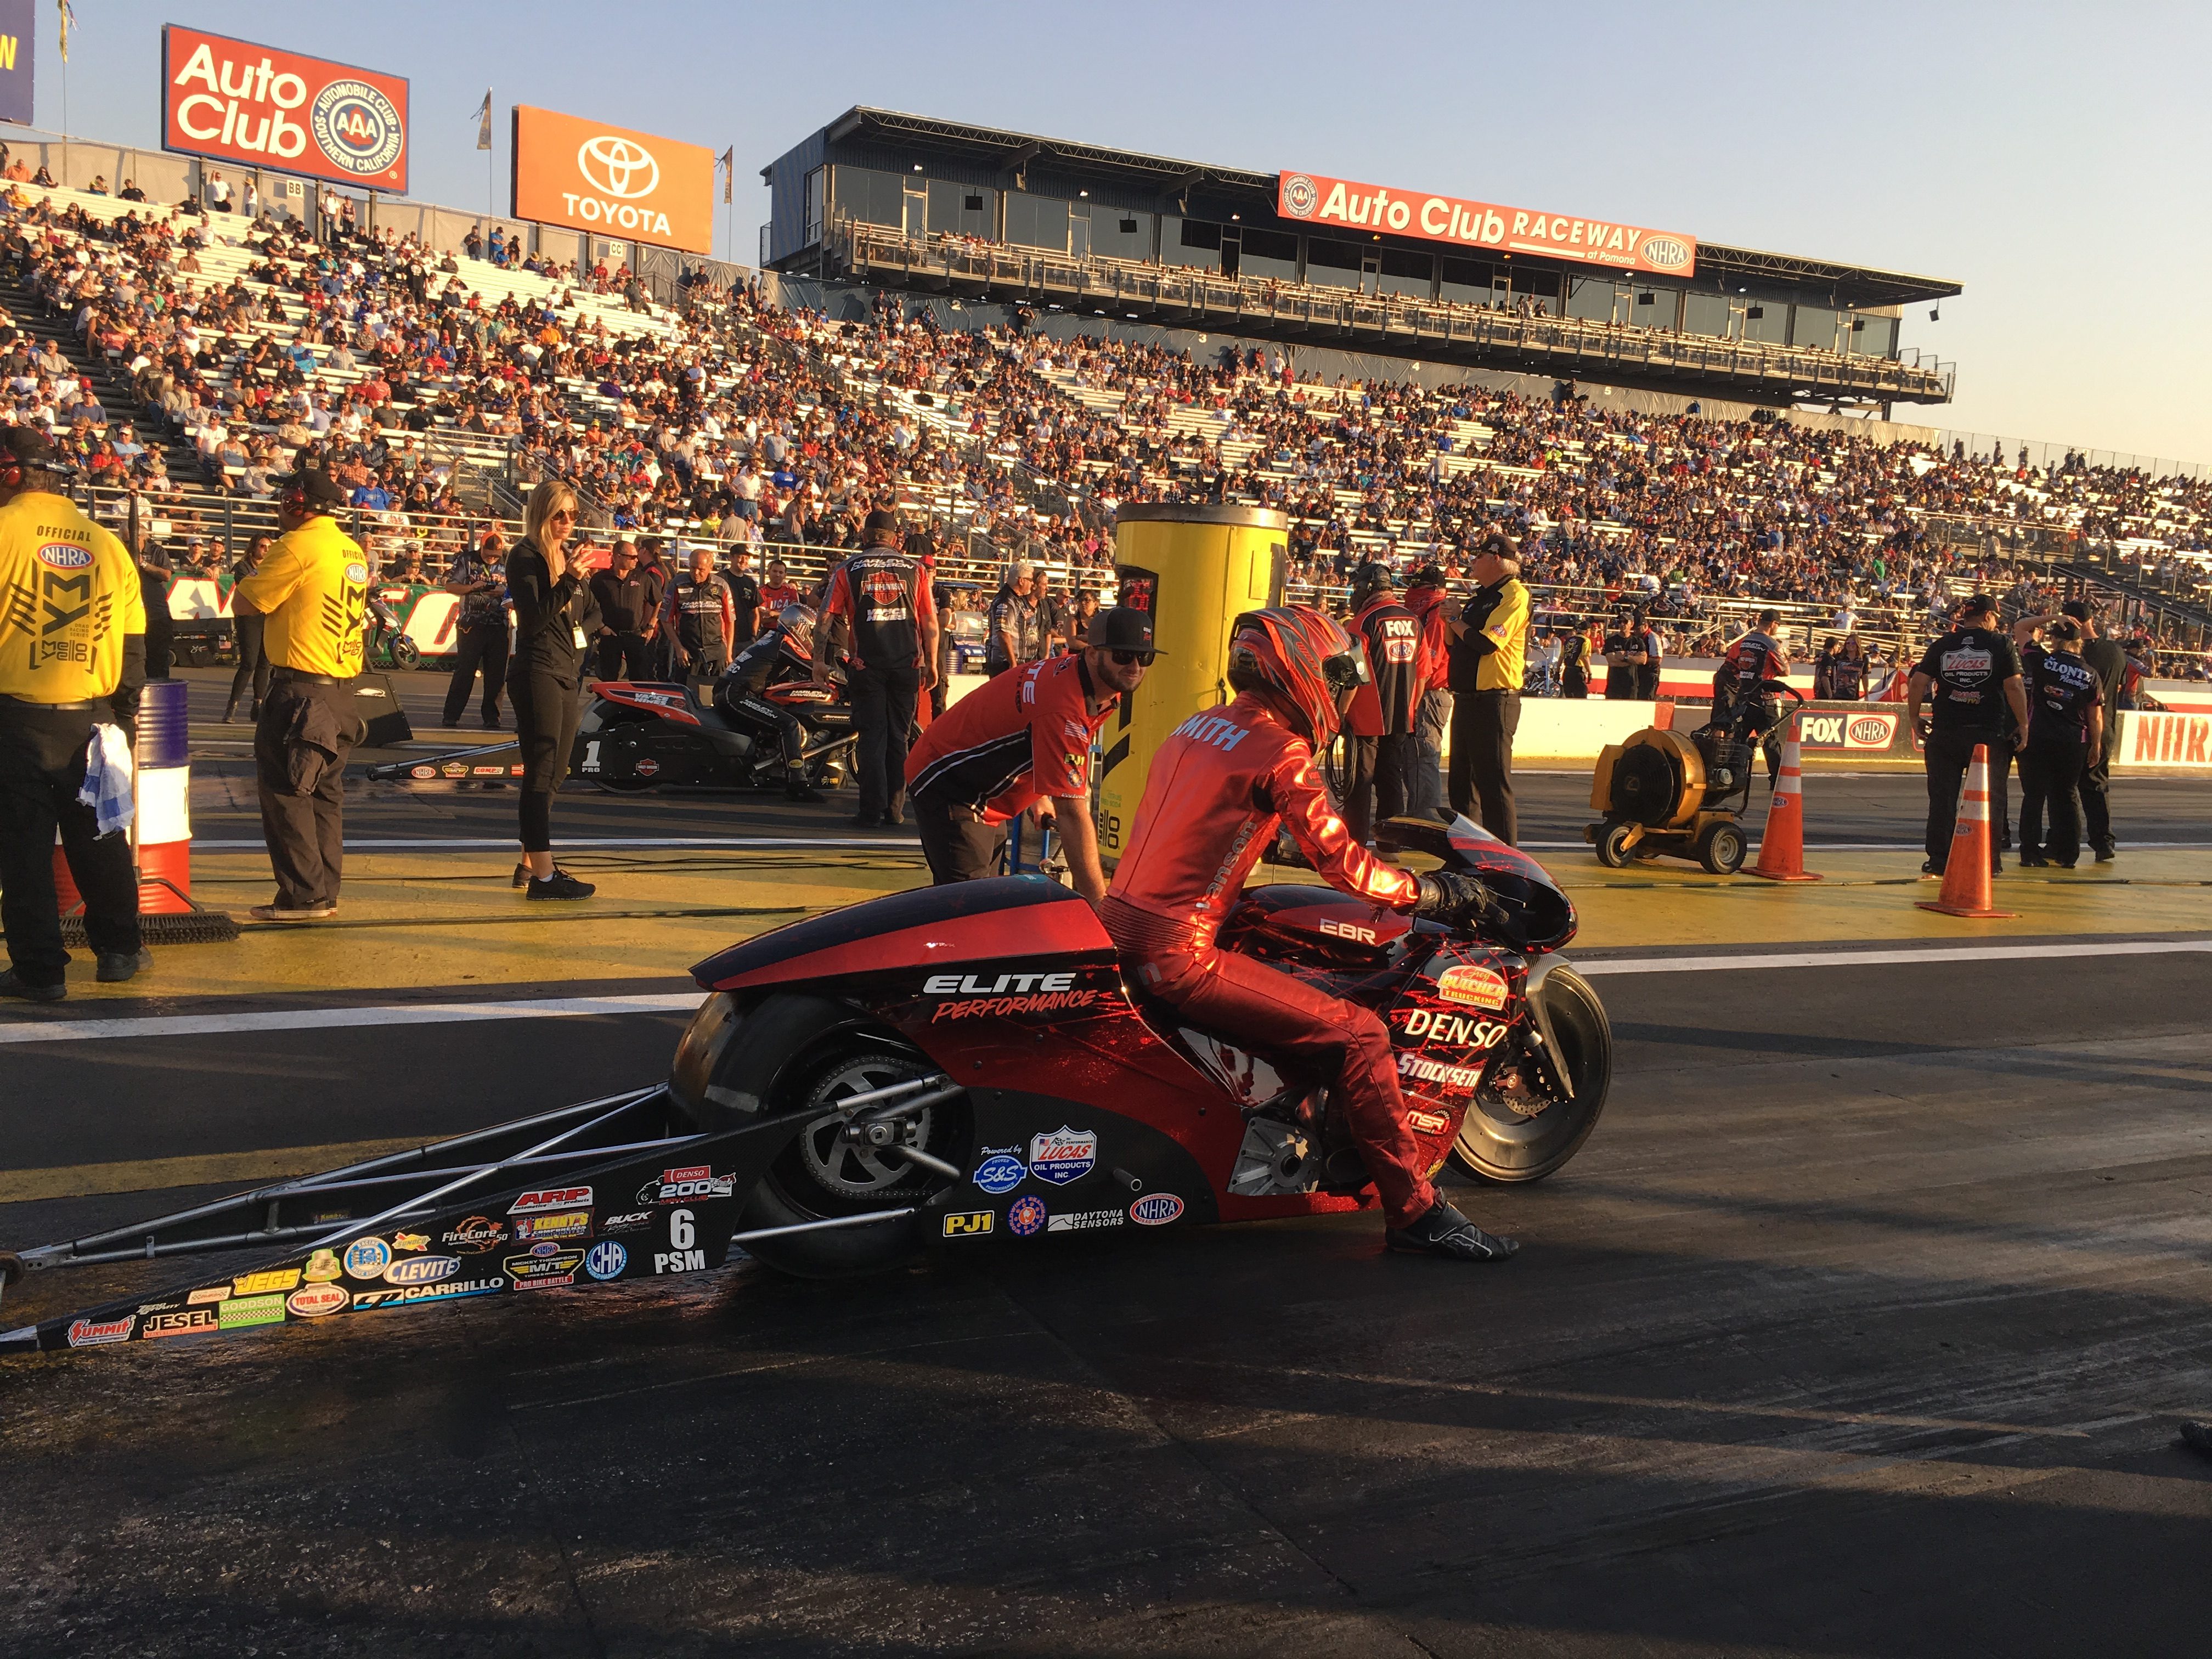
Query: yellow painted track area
pixel 411 920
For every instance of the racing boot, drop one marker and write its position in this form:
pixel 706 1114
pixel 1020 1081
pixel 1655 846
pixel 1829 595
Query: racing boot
pixel 1444 1231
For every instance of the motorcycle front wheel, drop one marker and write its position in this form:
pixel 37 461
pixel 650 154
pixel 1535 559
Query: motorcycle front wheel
pixel 405 653
pixel 1500 1139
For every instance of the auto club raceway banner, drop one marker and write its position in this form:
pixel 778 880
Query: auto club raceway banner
pixel 232 101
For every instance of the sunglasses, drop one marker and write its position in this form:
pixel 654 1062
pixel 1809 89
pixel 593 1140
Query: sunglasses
pixel 1127 658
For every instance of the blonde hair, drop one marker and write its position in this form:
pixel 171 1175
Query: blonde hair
pixel 551 497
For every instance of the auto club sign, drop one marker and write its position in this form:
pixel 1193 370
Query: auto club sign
pixel 232 100
pixel 1320 200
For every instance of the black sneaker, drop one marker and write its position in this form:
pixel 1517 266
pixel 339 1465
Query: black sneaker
pixel 12 984
pixel 562 885
pixel 867 821
pixel 521 878
pixel 2034 861
pixel 805 794
pixel 116 966
pixel 2106 852
pixel 1931 868
pixel 1444 1231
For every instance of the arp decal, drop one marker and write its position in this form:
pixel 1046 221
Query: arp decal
pixel 973 1224
pixel 552 1197
pixel 1450 1030
pixel 1156 1210
pixel 1064 1155
pixel 1480 988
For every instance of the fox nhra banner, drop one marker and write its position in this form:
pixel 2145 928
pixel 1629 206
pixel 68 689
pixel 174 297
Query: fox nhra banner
pixel 586 175
pixel 232 101
pixel 1319 200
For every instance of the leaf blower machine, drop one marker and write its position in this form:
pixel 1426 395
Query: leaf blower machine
pixel 1684 793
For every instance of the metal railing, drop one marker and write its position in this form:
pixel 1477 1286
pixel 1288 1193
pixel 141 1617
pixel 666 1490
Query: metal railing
pixel 1430 329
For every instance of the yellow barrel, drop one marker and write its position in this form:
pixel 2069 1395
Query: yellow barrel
pixel 1194 570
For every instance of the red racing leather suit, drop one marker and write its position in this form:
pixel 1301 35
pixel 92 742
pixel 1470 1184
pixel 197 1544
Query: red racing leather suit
pixel 1220 786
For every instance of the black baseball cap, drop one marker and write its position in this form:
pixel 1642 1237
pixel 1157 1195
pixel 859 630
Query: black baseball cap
pixel 1978 604
pixel 882 529
pixel 28 446
pixel 2077 609
pixel 1430 575
pixel 1123 629
pixel 318 489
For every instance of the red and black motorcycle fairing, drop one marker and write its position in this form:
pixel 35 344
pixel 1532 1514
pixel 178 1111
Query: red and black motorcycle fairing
pixel 638 735
pixel 1012 990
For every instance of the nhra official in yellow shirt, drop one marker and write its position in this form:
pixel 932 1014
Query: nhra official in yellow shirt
pixel 312 589
pixel 72 656
pixel 1489 656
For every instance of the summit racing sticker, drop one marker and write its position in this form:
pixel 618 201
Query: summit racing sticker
pixel 687 1186
pixel 1482 987
pixel 1064 1155
pixel 92 1333
pixel 1005 993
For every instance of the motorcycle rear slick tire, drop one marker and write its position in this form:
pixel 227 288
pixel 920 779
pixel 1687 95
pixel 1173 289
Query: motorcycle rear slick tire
pixel 1492 1147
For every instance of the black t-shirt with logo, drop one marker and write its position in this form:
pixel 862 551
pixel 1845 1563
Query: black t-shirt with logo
pixel 2062 689
pixel 1620 682
pixel 1391 634
pixel 745 601
pixel 1969 668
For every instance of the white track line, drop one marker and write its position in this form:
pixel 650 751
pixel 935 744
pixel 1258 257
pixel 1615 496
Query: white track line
pixel 313 1019
pixel 2022 952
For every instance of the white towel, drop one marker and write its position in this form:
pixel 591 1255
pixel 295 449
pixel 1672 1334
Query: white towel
pixel 109 779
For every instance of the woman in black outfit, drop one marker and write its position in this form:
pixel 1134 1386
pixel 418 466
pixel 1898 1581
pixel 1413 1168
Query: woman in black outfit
pixel 555 617
pixel 253 661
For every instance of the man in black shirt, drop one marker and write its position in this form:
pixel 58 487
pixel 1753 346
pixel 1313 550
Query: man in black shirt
pixel 1624 656
pixel 2108 660
pixel 745 599
pixel 2066 726
pixel 879 600
pixel 625 597
pixel 1378 731
pixel 1974 674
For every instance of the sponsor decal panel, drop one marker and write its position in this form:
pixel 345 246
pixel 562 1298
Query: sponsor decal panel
pixel 612 182
pixel 1318 200
pixel 475 1236
pixel 969 1224
pixel 1063 1155
pixel 314 1300
pixel 421 1269
pixel 208 1293
pixel 256 106
pixel 1027 1215
pixel 1842 729
pixel 407 1295
pixel 539 1272
pixel 563 1224
pixel 245 1312
pixel 1433 1025
pixel 636 1221
pixel 92 1332
pixel 687 1186
pixel 260 1284
pixel 1478 987
pixel 189 1321
pixel 1001 1170
pixel 1427 1123
pixel 367 1258
pixel 1084 1221
pixel 1156 1210
pixel 411 1241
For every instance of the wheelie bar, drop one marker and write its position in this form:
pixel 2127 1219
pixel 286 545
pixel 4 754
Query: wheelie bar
pixel 621 1187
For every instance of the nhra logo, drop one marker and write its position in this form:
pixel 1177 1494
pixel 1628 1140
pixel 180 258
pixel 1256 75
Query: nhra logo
pixel 1864 731
pixel 357 127
pixel 683 1186
pixel 62 555
pixel 1666 252
pixel 1300 197
pixel 1156 1210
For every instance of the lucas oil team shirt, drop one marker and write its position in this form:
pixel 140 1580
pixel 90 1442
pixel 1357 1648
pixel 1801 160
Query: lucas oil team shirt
pixel 883 593
pixel 1969 668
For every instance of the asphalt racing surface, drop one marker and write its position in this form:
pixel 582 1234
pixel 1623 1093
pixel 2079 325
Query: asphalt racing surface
pixel 1861 1325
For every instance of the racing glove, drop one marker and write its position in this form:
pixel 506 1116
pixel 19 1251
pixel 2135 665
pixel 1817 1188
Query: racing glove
pixel 1454 899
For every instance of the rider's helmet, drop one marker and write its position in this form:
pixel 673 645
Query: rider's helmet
pixel 1305 657
pixel 797 622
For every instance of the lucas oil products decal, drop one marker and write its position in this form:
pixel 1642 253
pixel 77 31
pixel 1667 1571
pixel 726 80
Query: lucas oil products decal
pixel 1064 1155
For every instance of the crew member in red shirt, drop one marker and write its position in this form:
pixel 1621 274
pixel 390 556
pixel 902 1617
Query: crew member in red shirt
pixel 1019 738
pixel 1430 604
pixel 881 598
pixel 1378 727
pixel 1221 786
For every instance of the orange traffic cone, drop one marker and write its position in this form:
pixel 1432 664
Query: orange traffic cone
pixel 1781 849
pixel 1966 871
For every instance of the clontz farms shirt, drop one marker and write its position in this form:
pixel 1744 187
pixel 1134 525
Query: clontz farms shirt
pixel 69 594
pixel 1969 669
pixel 314 589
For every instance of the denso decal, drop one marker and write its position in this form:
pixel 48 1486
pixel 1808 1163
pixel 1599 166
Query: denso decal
pixel 367 1258
pixel 1428 1123
pixel 971 1224
pixel 1483 988
pixel 605 1259
pixel 1453 1030
pixel 686 1186
pixel 1428 1071
pixel 1001 1170
pixel 1156 1210
pixel 552 1197
pixel 92 1333
pixel 421 1270
pixel 1064 1155
pixel 1084 1221
pixel 1027 1215
pixel 314 1300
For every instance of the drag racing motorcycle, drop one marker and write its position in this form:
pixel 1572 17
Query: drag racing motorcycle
pixel 639 735
pixel 932 1072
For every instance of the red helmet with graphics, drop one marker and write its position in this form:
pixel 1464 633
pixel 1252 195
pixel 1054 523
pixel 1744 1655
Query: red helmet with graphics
pixel 1308 661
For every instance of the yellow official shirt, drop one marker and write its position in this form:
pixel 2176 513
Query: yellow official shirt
pixel 312 586
pixel 68 593
pixel 1506 627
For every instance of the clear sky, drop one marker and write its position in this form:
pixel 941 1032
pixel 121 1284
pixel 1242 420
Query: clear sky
pixel 2052 160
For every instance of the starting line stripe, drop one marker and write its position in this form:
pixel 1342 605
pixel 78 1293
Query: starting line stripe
pixel 314 1019
pixel 1892 958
